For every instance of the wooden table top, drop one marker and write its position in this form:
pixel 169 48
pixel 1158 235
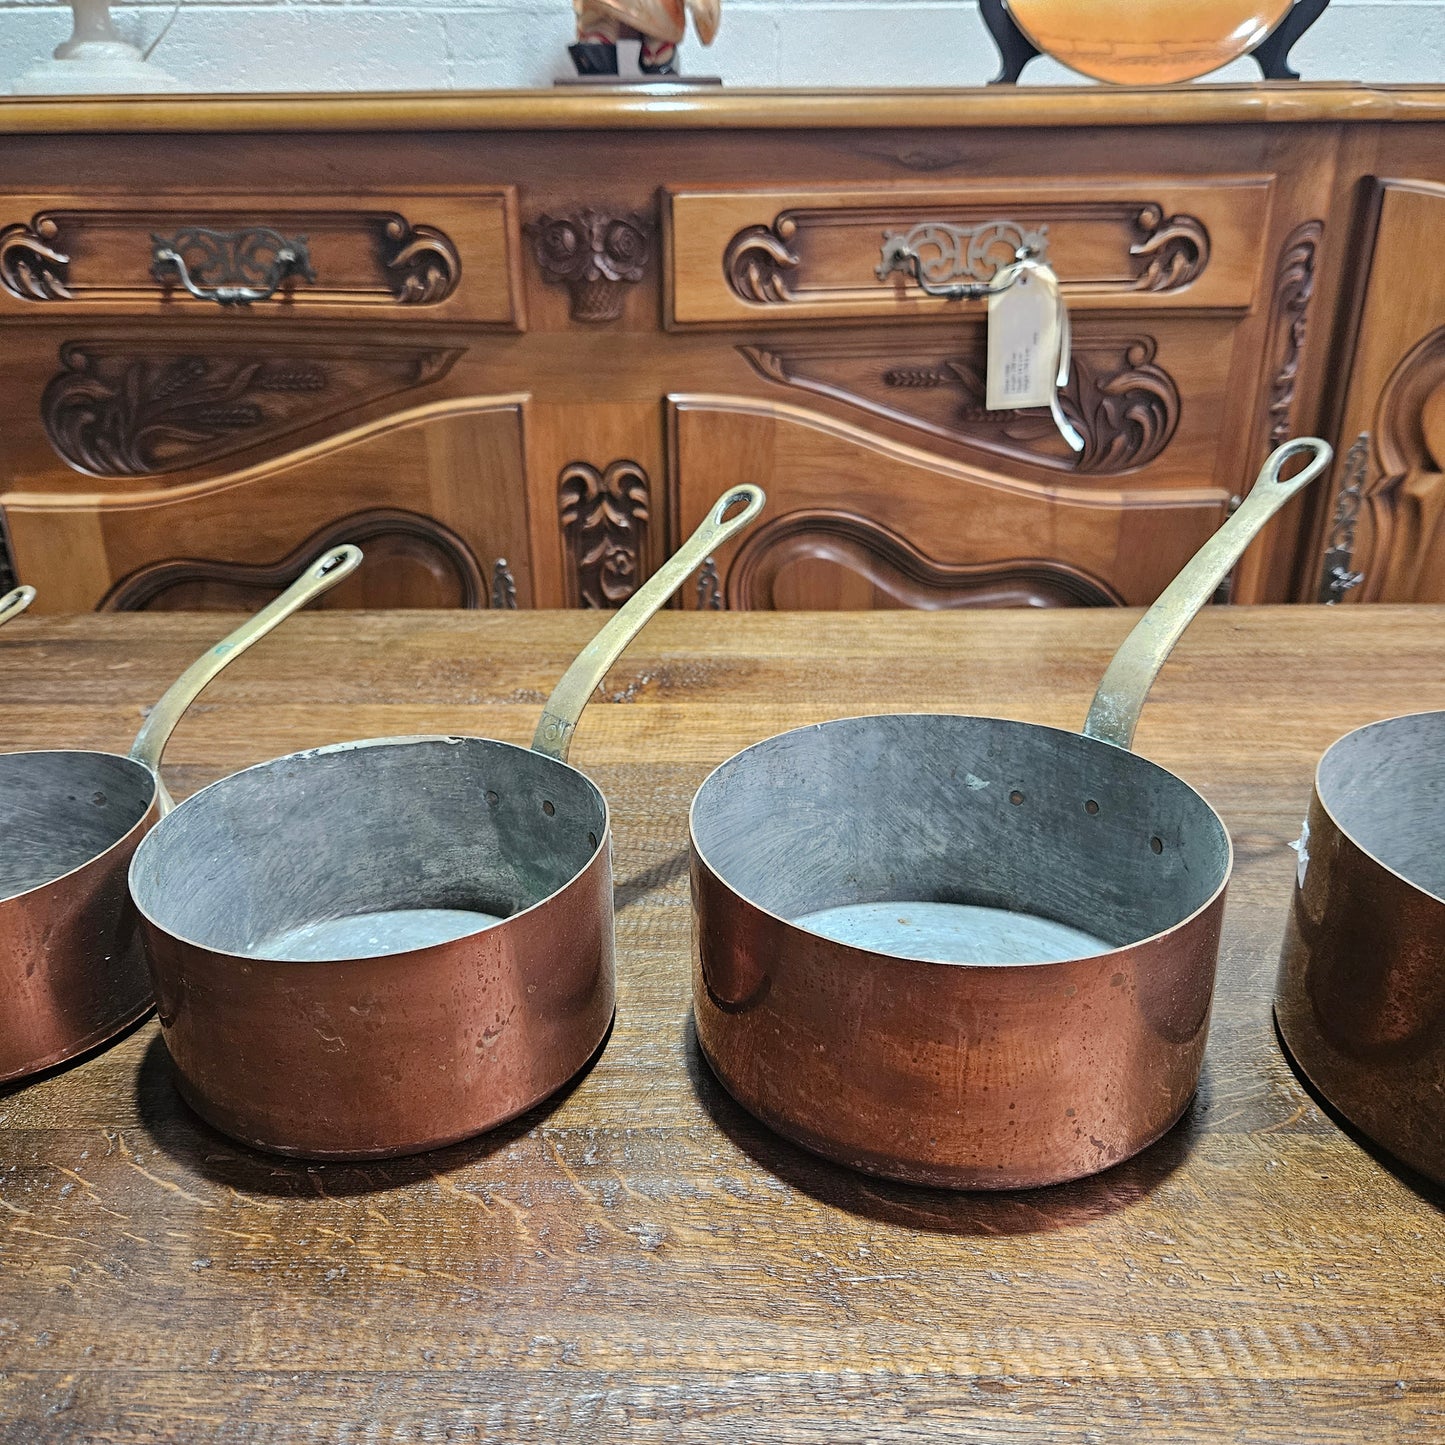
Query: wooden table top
pixel 639 1258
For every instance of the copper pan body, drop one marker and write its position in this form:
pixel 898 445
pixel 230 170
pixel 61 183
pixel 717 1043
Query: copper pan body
pixel 1360 1000
pixel 321 1052
pixel 72 970
pixel 957 1074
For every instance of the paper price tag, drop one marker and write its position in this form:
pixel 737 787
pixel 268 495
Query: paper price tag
pixel 1023 345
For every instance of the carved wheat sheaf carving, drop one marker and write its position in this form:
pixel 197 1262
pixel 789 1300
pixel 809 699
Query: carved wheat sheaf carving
pixel 115 413
pixel 1294 286
pixel 604 516
pixel 32 266
pixel 758 259
pixel 421 262
pixel 1174 251
pixel 1120 400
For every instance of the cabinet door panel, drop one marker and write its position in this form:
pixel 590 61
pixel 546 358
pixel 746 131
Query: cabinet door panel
pixel 436 496
pixel 1389 525
pixel 857 521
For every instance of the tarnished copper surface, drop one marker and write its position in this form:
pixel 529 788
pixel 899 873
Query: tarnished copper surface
pixel 72 970
pixel 964 1076
pixel 367 1058
pixel 1360 999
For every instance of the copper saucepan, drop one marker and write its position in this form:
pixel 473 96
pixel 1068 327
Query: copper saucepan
pixel 14 602
pixel 1361 995
pixel 965 951
pixel 379 947
pixel 71 966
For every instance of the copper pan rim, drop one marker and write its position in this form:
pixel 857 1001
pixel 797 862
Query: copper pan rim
pixel 851 951
pixel 140 824
pixel 403 740
pixel 1349 833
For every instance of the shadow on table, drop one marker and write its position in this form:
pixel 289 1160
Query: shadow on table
pixel 1420 1184
pixel 944 1211
pixel 185 1138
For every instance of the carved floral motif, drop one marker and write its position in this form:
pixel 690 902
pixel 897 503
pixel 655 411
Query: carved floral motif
pixel 1120 400
pixel 32 267
pixel 709 587
pixel 593 254
pixel 758 259
pixel 1337 578
pixel 604 517
pixel 1174 251
pixel 1294 286
pixel 422 262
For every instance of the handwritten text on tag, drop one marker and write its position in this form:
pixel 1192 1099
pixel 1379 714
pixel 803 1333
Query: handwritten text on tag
pixel 1023 345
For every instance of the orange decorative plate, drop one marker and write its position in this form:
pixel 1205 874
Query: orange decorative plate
pixel 1146 42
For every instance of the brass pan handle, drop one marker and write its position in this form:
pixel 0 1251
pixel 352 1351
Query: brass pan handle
pixel 13 603
pixel 581 680
pixel 321 576
pixel 1114 713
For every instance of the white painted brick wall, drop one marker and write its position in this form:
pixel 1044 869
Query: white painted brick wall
pixel 284 45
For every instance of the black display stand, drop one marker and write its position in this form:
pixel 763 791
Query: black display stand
pixel 1272 53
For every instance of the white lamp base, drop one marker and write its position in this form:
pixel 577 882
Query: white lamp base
pixel 94 59
pixel 109 67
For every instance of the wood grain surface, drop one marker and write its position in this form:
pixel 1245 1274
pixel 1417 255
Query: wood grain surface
pixel 637 1258
pixel 662 107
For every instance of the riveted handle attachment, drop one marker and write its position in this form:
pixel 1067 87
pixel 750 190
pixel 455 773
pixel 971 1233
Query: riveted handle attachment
pixel 581 680
pixel 1114 713
pixel 321 576
pixel 13 603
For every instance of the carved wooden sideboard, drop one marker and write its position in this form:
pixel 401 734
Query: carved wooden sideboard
pixel 515 344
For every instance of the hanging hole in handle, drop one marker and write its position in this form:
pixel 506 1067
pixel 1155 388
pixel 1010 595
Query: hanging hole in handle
pixel 735 503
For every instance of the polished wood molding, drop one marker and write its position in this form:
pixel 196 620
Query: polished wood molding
pixel 604 514
pixel 189 583
pixel 896 568
pixel 685 108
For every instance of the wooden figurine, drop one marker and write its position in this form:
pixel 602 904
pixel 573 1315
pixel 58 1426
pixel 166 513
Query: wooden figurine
pixel 660 24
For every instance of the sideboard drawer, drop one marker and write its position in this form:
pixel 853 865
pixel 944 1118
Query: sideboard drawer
pixel 436 255
pixel 745 257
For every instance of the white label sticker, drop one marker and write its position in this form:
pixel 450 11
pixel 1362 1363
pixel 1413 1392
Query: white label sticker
pixel 1023 345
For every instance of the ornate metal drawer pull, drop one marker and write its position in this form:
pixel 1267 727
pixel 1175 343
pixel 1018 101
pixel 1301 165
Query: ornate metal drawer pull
pixel 959 262
pixel 231 268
